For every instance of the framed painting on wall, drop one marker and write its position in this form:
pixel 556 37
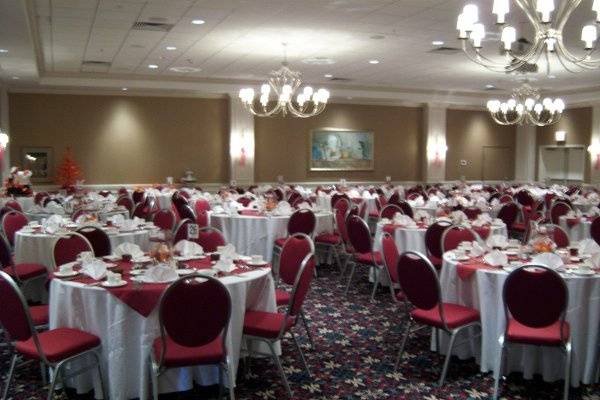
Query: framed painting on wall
pixel 40 161
pixel 333 149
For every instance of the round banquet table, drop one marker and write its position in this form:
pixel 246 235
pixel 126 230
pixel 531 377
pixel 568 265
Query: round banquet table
pixel 577 229
pixel 323 201
pixel 37 247
pixel 252 234
pixel 583 207
pixel 25 202
pixel 413 239
pixel 103 216
pixel 483 290
pixel 127 335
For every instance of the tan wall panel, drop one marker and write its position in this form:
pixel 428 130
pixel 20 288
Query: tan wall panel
pixel 468 132
pixel 578 124
pixel 282 143
pixel 126 139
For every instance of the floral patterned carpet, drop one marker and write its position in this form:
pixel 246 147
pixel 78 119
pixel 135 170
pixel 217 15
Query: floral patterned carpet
pixel 356 342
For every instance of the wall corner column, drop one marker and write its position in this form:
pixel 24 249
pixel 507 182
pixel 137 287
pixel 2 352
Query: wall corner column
pixel 595 146
pixel 241 142
pixel 525 153
pixel 4 127
pixel 434 141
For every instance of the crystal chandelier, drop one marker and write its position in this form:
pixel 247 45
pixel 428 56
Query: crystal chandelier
pixel 285 82
pixel 525 107
pixel 547 21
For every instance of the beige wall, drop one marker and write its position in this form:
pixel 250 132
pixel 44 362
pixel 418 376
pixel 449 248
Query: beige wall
pixel 282 143
pixel 577 122
pixel 467 133
pixel 126 139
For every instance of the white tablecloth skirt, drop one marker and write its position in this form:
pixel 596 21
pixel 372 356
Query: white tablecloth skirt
pixel 483 291
pixel 256 235
pixel 127 336
pixel 103 216
pixel 578 231
pixel 25 202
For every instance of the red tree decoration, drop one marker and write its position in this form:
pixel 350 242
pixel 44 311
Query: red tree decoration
pixel 68 172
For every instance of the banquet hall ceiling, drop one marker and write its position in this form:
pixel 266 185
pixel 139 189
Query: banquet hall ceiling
pixel 241 40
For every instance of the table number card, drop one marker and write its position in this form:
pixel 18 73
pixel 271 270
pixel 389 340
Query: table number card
pixel 193 231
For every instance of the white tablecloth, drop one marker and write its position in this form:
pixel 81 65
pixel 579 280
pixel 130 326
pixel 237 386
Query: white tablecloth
pixel 255 235
pixel 578 231
pixel 323 201
pixel 37 248
pixel 103 216
pixel 25 202
pixel 483 291
pixel 127 336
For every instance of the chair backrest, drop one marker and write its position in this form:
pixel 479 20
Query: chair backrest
pixel 294 250
pixel 302 221
pixel 14 205
pixel 181 232
pixel 558 234
pixel 595 230
pixel 164 219
pixel 4 210
pixel 433 238
pixel 301 286
pixel 359 234
pixel 140 211
pixel 406 208
pixel 14 313
pixel 125 201
pixel 210 238
pixel 505 198
pixel 184 194
pixel 536 296
pixel 558 209
pixel 186 211
pixel 201 205
pixel 342 204
pixel 12 222
pixel 524 198
pixel 39 196
pixel 138 196
pixel 508 214
pixel 394 198
pixel 472 212
pixel 212 311
pixel 202 218
pixel 67 248
pixel 418 280
pixel 178 200
pixel 388 211
pixel 340 224
pixel 390 256
pixel 336 197
pixel 98 239
pixel 454 235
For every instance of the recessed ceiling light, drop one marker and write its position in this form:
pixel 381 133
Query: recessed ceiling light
pixel 373 61
pixel 16 77
pixel 171 48
pixel 3 51
pixel 185 69
pixel 551 76
pixel 438 43
pixel 490 86
pixel 318 61
pixel 198 21
pixel 328 76
pixel 124 89
pixel 152 66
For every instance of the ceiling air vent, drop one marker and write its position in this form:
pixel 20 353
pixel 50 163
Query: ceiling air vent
pixel 95 66
pixel 337 79
pixel 152 26
pixel 445 50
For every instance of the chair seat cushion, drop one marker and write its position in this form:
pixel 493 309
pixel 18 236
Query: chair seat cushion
pixel 265 324
pixel 177 355
pixel 519 226
pixel 59 344
pixel 374 214
pixel 367 258
pixel 547 336
pixel 454 314
pixel 328 238
pixel 282 297
pixel 436 261
pixel 39 315
pixel 26 271
pixel 280 242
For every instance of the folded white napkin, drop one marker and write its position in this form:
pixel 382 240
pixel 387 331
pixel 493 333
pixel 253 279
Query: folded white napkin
pixel 593 211
pixel 54 208
pixel 496 258
pixel 117 220
pixel 160 273
pixel 443 219
pixel 228 251
pixel 283 208
pixel 482 219
pixel 95 269
pixel 458 217
pixel 588 246
pixel 224 265
pixel 86 257
pixel 353 193
pixel 420 215
pixel 218 209
pixel 497 241
pixel 304 206
pixel 129 248
pixel 478 249
pixel 385 221
pixel 402 219
pixel 549 260
pixel 595 260
pixel 188 249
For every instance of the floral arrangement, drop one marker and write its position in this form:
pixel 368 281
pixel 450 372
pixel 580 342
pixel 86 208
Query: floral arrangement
pixel 18 182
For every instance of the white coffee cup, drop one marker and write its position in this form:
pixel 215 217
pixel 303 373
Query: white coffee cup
pixel 220 249
pixel 256 259
pixel 113 277
pixel 66 268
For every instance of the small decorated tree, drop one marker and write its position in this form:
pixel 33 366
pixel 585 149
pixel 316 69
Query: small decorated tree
pixel 68 172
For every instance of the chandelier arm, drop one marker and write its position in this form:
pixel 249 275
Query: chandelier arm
pixel 300 113
pixel 529 10
pixel 492 66
pixel 584 62
pixel 562 56
pixel 264 113
pixel 567 8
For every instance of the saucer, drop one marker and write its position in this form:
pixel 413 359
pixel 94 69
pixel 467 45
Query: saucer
pixel 187 271
pixel 113 285
pixel 59 274
pixel 259 264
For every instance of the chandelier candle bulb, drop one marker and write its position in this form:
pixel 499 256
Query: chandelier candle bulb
pixel 471 16
pixel 545 7
pixel 589 34
pixel 509 36
pixel 596 8
pixel 478 34
pixel 501 8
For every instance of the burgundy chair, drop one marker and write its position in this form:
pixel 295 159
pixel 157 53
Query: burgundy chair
pixel 5 210
pixel 184 194
pixel 202 218
pixel 181 232
pixel 178 200
pixel 210 238
pixel 138 196
pixel 186 211
pixel 245 201
pixel 301 221
pixel 394 198
pixel 14 205
pixel 197 339
pixel 201 205
pixel 270 328
pixel 295 249
pixel 388 211
pixel 595 230
pixel 294 195
pixel 52 348
pixel 334 242
pixel 164 219
pixel 98 239
pixel 104 193
pixel 505 198
pixel 524 198
pixel 125 201
pixel 11 223
pixel 406 208
pixel 454 235
pixel 558 209
pixel 535 306
pixel 433 242
pixel 337 196
pixel 508 214
pixel 472 212
pixel 39 196
pixel 390 262
pixel 421 286
pixel 558 234
pixel 362 247
pixel 123 191
pixel 21 273
pixel 140 211
pixel 67 248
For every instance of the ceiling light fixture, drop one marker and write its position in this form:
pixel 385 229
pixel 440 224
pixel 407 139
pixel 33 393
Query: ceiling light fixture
pixel 198 21
pixel 3 51
pixel 490 86
pixel 285 82
pixel 328 76
pixel 124 89
pixel 438 43
pixel 524 106
pixel 152 66
pixel 171 48
pixel 373 61
pixel 547 37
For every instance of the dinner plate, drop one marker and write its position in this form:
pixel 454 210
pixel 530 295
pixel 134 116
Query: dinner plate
pixel 185 271
pixel 59 274
pixel 112 257
pixel 142 259
pixel 187 258
pixel 264 263
pixel 463 258
pixel 584 272
pixel 136 272
pixel 113 285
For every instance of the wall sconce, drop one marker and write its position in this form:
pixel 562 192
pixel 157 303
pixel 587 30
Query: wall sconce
pixel 594 150
pixel 436 152
pixel 560 136
pixel 241 148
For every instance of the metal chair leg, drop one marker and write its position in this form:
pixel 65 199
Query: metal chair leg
pixel 498 371
pixel 105 394
pixel 375 284
pixel 221 385
pixel 11 372
pixel 305 323
pixel 350 279
pixel 568 359
pixel 337 257
pixel 55 375
pixel 280 368
pixel 447 360
pixel 301 354
pixel 153 380
pixel 43 373
pixel 344 267
pixel 401 350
